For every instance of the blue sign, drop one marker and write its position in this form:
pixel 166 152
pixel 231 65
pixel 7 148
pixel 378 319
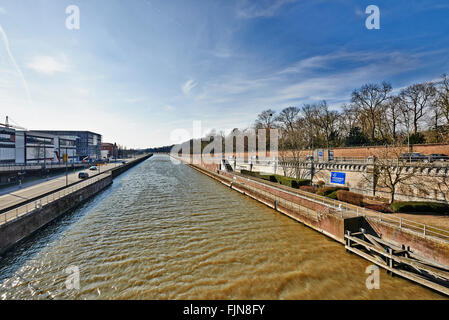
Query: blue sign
pixel 338 177
pixel 320 153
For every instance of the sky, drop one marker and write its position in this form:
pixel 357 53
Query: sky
pixel 136 71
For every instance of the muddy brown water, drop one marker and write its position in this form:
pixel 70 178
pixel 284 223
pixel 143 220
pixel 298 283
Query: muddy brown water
pixel 165 231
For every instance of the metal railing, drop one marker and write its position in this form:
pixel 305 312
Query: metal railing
pixel 38 204
pixel 346 210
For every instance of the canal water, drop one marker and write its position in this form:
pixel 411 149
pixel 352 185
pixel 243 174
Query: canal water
pixel 165 231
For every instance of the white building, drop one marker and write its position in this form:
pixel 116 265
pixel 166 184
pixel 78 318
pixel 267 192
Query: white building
pixel 28 147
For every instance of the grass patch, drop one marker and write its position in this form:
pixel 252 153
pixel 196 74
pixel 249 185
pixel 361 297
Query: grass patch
pixel 286 181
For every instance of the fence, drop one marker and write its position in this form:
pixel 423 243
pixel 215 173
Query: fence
pixel 346 210
pixel 37 204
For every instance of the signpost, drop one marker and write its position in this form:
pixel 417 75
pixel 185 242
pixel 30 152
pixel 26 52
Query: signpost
pixel 338 177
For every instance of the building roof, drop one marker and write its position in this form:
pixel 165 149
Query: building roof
pixel 67 131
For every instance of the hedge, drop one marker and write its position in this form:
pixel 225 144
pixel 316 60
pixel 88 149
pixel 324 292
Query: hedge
pixel 250 173
pixel 350 197
pixel 379 207
pixel 328 190
pixel 310 189
pixel 286 181
pixel 292 182
pixel 333 195
pixel 420 207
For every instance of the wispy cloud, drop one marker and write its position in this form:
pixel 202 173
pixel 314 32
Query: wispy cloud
pixel 13 61
pixel 188 86
pixel 3 10
pixel 262 8
pixel 48 65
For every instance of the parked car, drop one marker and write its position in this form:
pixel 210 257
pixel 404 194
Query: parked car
pixel 413 156
pixel 83 175
pixel 438 157
pixel 93 168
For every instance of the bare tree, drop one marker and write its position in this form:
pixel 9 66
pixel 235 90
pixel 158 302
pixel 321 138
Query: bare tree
pixel 443 97
pixel 392 172
pixel 417 99
pixel 392 117
pixel 265 120
pixel 370 100
pixel 326 120
pixel 288 117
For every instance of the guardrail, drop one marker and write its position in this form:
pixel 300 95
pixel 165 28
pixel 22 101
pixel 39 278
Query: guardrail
pixel 37 204
pixel 346 210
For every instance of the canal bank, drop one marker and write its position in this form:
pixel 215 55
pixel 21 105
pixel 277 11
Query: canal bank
pixel 20 221
pixel 166 231
pixel 404 249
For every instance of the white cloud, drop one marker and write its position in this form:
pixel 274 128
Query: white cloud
pixel 48 65
pixel 188 86
pixel 2 10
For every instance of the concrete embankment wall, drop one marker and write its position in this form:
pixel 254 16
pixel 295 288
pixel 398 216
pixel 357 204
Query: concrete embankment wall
pixel 319 217
pixel 14 231
pixel 307 211
pixel 118 171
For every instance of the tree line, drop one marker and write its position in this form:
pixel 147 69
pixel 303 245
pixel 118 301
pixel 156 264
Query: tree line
pixel 375 115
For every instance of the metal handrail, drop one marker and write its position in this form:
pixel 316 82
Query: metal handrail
pixel 353 210
pixel 37 204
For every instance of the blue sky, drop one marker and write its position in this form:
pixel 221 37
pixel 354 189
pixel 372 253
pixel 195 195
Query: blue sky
pixel 137 70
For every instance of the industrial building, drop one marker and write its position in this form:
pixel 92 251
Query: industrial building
pixel 7 145
pixel 88 144
pixel 109 150
pixel 29 147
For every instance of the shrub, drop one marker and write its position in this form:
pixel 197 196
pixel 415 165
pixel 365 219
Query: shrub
pixel 271 178
pixel 350 197
pixel 420 207
pixel 250 173
pixel 328 190
pixel 308 189
pixel 286 181
pixel 380 207
pixel 292 182
pixel 332 195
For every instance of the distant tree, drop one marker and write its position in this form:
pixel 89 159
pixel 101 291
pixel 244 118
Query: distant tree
pixel 265 120
pixel 370 100
pixel 415 101
pixel 326 120
pixel 288 117
pixel 356 137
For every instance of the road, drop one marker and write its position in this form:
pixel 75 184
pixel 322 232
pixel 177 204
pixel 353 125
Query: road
pixel 35 190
